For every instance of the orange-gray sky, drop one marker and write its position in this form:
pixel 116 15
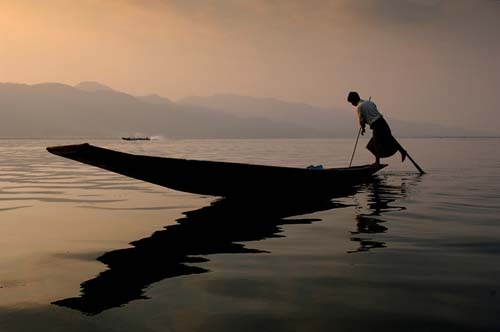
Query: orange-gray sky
pixel 425 60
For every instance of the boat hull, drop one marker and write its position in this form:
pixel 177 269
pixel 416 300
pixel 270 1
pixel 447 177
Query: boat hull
pixel 219 178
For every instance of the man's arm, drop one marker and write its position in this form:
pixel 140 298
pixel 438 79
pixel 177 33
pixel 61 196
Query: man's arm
pixel 362 122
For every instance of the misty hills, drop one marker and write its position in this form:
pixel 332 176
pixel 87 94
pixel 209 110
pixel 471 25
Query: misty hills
pixel 92 86
pixel 327 122
pixel 58 110
pixel 323 122
pixel 91 109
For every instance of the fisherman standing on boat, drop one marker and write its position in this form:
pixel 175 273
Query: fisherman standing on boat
pixel 382 144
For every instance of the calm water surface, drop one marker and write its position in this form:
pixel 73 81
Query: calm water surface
pixel 83 249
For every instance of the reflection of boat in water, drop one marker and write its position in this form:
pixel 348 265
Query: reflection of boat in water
pixel 219 178
pixel 219 228
pixel 215 229
pixel 136 138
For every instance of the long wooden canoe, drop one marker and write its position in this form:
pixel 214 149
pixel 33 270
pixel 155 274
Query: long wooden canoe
pixel 214 178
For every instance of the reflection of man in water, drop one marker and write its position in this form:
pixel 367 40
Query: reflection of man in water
pixel 382 144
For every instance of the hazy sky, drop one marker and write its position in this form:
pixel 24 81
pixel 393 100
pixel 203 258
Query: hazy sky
pixel 427 60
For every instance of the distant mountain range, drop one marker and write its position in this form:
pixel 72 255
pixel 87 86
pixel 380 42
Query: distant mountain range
pixel 91 109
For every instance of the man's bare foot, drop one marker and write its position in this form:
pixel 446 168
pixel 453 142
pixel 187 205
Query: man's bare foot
pixel 403 156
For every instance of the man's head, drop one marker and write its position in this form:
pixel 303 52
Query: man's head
pixel 353 98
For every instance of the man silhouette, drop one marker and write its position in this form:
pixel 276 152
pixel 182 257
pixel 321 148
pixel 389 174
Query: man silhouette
pixel 382 144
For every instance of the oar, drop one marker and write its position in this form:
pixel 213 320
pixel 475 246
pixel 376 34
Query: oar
pixel 415 163
pixel 355 145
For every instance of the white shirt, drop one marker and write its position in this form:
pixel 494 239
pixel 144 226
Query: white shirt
pixel 367 112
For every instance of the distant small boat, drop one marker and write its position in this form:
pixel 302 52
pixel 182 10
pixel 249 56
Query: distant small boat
pixel 136 138
pixel 223 179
